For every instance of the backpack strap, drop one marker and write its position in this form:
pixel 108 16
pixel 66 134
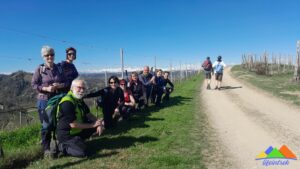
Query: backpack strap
pixel 42 68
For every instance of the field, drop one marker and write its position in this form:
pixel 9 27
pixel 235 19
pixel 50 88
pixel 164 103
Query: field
pixel 280 85
pixel 172 136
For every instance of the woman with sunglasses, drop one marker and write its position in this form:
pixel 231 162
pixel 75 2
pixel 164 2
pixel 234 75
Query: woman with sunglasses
pixel 69 69
pixel 48 80
pixel 113 99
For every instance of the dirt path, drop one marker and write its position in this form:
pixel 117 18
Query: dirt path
pixel 248 121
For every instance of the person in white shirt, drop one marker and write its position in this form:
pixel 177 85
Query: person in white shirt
pixel 218 67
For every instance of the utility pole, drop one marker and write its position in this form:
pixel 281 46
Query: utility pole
pixel 154 63
pixel 171 74
pixel 122 62
pixel 297 64
pixel 186 72
pixel 105 77
pixel 180 72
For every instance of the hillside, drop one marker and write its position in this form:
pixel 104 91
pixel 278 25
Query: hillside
pixel 16 91
pixel 17 95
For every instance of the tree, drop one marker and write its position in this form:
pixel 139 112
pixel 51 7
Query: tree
pixel 297 64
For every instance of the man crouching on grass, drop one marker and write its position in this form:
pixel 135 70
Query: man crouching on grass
pixel 75 121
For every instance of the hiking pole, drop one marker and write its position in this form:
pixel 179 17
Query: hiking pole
pixel 1 152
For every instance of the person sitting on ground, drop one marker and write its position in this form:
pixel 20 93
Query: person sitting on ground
pixel 68 67
pixel 48 81
pixel 113 98
pixel 218 67
pixel 129 103
pixel 159 85
pixel 75 121
pixel 137 89
pixel 148 80
pixel 208 70
pixel 167 90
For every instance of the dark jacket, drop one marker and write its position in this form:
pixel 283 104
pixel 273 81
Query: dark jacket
pixel 159 81
pixel 137 89
pixel 111 98
pixel 166 82
pixel 146 79
pixel 70 72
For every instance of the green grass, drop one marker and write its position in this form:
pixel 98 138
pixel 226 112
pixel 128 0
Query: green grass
pixel 172 136
pixel 20 146
pixel 279 85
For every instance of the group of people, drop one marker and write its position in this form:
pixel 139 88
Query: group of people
pixel 214 69
pixel 75 121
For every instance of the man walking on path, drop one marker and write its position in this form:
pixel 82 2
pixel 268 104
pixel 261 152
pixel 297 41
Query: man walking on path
pixel 208 70
pixel 218 68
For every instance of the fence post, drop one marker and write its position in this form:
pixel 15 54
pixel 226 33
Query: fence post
pixel 122 62
pixel 20 118
pixel 297 63
pixel 186 72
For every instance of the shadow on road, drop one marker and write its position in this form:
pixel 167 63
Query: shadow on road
pixel 230 87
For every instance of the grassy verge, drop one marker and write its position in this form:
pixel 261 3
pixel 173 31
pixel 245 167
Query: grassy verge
pixel 20 146
pixel 165 137
pixel 279 85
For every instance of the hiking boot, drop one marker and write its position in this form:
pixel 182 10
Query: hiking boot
pixel 216 87
pixel 47 154
pixel 208 87
pixel 219 88
pixel 54 148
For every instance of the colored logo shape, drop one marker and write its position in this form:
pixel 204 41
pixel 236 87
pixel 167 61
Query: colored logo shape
pixel 283 153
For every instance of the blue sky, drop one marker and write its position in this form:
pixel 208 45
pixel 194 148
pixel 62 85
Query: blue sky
pixel 177 31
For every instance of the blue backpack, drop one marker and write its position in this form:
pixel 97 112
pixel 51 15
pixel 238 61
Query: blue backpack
pixel 219 68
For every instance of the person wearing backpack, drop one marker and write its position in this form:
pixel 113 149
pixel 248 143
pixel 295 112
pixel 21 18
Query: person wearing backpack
pixel 69 69
pixel 48 81
pixel 75 121
pixel 218 67
pixel 208 70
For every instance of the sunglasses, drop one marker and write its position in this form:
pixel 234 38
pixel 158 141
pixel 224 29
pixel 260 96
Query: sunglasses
pixel 122 84
pixel 112 82
pixel 70 54
pixel 48 55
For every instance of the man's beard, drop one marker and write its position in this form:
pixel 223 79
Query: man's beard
pixel 78 95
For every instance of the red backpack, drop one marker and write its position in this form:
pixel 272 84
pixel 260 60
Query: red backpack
pixel 207 65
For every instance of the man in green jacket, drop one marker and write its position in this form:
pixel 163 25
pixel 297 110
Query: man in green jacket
pixel 75 121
